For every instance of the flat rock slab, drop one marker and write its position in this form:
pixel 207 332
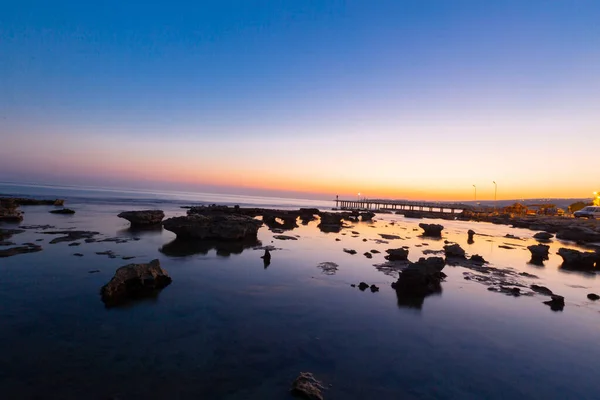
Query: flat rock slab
pixel 284 237
pixel 13 251
pixel 143 217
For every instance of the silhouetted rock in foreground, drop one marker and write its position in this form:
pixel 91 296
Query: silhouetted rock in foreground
pixel 65 211
pixel 143 218
pixel 421 278
pixel 219 226
pixel 539 253
pixel 134 281
pixel 433 230
pixel 578 260
pixel 557 303
pixel 454 250
pixel 307 387
pixel 9 211
pixel 400 254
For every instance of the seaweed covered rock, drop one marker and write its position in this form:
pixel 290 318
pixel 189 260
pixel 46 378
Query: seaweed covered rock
pixel 134 281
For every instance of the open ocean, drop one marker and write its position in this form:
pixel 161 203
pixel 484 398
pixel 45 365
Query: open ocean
pixel 229 328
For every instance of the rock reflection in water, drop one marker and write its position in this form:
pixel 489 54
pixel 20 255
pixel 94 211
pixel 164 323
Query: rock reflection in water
pixel 183 248
pixel 407 300
pixel 135 231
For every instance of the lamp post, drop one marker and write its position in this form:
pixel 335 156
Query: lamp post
pixel 495 195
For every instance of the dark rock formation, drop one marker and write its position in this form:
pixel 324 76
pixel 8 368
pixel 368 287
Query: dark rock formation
pixel 284 237
pixel 471 233
pixel 134 281
pixel 432 230
pixel 578 260
pixel 368 255
pixel 19 201
pixel 541 290
pixel 367 215
pixel 350 251
pixel 421 278
pixel 331 222
pixel 593 296
pixel 543 236
pixel 539 253
pixel 374 288
pixel 66 211
pixel 400 254
pixel 143 218
pixel 578 234
pixel 307 386
pixel 454 251
pixel 8 233
pixel 389 237
pixel 9 211
pixel 71 236
pixel 557 303
pixel 13 251
pixel 477 259
pixel 219 227
pixel 363 286
pixel 375 251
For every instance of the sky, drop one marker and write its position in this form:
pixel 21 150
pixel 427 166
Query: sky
pixel 415 99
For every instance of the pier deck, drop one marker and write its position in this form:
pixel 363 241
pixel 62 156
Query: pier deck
pixel 400 205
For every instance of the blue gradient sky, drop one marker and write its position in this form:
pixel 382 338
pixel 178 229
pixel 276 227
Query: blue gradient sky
pixel 411 99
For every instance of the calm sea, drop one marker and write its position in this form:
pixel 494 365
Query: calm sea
pixel 229 328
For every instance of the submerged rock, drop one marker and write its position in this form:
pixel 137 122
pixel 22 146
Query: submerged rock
pixel 539 253
pixel 433 230
pixel 71 236
pixel 143 218
pixel 400 254
pixel 541 290
pixel 578 260
pixel 66 211
pixel 307 387
pixel 13 251
pixel 220 227
pixel 134 281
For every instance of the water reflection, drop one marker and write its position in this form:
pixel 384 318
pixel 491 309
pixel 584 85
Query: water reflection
pixel 152 230
pixel 183 248
pixel 407 300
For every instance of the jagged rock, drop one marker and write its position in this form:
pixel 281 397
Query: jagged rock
pixel 350 251
pixel 421 278
pixel 219 227
pixel 143 218
pixel 307 387
pixel 543 236
pixel 400 254
pixel 363 286
pixel 578 260
pixel 593 296
pixel 454 250
pixel 9 211
pixel 13 251
pixel 433 230
pixel 539 253
pixel 374 288
pixel 134 281
pixel 368 255
pixel 557 303
pixel 66 211
pixel 541 290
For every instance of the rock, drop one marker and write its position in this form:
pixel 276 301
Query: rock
pixel 367 216
pixel 577 260
pixel 350 251
pixel 557 303
pixel 66 211
pixel 108 253
pixel 267 256
pixel 400 254
pixel 13 251
pixel 368 255
pixel 78 255
pixel 374 288
pixel 539 253
pixel 74 244
pixel 578 234
pixel 307 387
pixel 20 201
pixel 355 233
pixel 127 258
pixel 389 237
pixel 331 222
pixel 9 211
pixel 8 233
pixel 503 246
pixel 71 236
pixel 477 259
pixel 593 296
pixel 543 236
pixel 471 233
pixel 94 271
pixel 363 286
pixel 374 251
pixel 454 250
pixel 328 267
pixel 219 227
pixel 134 281
pixel 541 290
pixel 433 230
pixel 143 218
pixel 338 239
pixel 284 237
pixel 421 278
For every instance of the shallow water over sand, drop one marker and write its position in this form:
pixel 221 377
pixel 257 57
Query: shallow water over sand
pixel 227 327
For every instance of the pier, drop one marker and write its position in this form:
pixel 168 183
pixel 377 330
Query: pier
pixel 401 205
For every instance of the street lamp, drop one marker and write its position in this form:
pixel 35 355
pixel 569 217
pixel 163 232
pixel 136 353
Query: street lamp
pixel 495 194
